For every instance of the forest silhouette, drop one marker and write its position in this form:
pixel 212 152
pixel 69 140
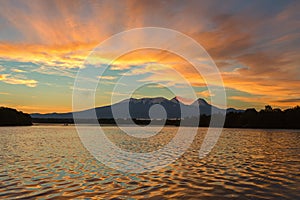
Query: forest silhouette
pixel 12 117
pixel 266 118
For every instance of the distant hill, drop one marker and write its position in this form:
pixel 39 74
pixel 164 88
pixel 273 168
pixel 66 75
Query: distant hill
pixel 12 117
pixel 139 108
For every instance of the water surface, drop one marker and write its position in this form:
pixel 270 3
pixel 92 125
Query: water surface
pixel 51 162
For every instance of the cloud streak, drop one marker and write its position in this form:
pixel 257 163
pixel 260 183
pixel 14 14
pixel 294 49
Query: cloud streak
pixel 18 80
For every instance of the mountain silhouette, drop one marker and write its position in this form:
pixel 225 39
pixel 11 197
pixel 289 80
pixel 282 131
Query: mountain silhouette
pixel 140 108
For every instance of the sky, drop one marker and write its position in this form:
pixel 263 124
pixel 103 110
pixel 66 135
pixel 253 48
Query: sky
pixel 43 44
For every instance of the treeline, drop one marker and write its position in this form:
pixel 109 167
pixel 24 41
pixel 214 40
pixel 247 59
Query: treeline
pixel 267 118
pixel 12 117
pixel 250 118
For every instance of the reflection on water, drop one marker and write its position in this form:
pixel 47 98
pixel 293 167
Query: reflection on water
pixel 51 162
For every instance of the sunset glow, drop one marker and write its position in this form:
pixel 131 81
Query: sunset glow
pixel 43 44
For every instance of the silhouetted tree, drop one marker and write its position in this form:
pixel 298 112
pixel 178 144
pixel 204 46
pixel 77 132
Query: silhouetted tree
pixel 268 108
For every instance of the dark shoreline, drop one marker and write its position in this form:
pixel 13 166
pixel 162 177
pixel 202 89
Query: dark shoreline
pixel 264 119
pixel 204 122
pixel 267 118
pixel 115 125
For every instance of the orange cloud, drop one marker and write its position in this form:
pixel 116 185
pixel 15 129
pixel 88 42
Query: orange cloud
pixel 17 80
pixel 66 56
pixel 17 70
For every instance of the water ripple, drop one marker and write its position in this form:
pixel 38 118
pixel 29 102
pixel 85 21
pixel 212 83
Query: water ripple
pixel 49 162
